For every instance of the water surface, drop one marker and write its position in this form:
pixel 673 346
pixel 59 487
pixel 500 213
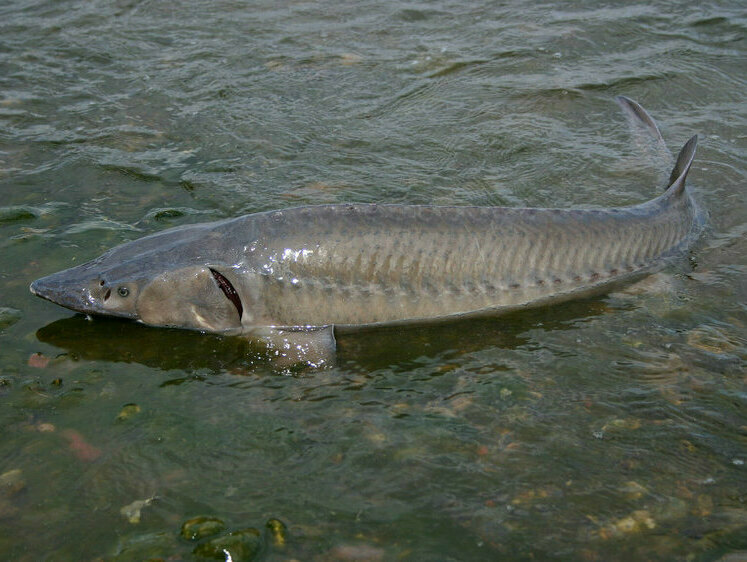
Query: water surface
pixel 610 429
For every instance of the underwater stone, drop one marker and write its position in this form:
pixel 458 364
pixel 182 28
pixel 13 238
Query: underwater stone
pixel 11 482
pixel 200 527
pixel 242 546
pixel 277 530
pixel 8 317
pixel 16 213
pixel 128 411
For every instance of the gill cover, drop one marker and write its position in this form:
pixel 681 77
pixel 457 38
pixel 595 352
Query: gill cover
pixel 197 297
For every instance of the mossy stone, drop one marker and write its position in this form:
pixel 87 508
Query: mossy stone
pixel 200 527
pixel 243 546
pixel 128 411
pixel 278 531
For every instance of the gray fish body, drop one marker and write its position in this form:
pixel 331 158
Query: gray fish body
pixel 352 265
pixel 357 265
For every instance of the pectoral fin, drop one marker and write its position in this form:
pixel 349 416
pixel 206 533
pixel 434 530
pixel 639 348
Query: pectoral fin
pixel 311 347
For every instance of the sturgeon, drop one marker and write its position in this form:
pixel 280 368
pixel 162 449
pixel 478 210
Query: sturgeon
pixel 293 276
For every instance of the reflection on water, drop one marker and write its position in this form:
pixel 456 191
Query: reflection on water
pixel 610 429
pixel 104 339
pixel 112 340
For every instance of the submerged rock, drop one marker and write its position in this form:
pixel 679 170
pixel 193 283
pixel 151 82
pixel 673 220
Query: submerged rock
pixel 241 546
pixel 18 213
pixel 38 361
pixel 8 317
pixel 200 527
pixel 133 511
pixel 128 411
pixel 277 530
pixel 636 522
pixel 11 482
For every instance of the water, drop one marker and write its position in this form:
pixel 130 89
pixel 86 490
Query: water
pixel 611 429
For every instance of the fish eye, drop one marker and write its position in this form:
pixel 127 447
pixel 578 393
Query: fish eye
pixel 123 291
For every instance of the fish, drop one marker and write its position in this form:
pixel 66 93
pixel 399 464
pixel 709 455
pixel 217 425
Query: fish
pixel 294 278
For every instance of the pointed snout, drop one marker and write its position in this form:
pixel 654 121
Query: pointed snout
pixel 86 289
pixel 61 289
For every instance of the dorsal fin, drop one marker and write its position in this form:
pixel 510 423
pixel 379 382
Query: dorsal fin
pixel 682 167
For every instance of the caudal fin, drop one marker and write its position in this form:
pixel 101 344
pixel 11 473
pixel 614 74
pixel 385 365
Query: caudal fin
pixel 639 116
pixel 682 167
pixel 646 136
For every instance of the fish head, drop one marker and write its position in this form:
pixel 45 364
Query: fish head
pixel 198 297
pixel 158 285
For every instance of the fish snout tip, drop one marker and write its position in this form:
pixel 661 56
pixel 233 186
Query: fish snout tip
pixel 54 289
pixel 37 287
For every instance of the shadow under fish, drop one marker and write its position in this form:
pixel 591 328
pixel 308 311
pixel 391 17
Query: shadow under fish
pixel 114 340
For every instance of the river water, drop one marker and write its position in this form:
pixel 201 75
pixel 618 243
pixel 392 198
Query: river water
pixel 609 429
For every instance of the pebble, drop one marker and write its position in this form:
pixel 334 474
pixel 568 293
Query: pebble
pixel 11 482
pixel 133 511
pixel 38 361
pixel 8 317
pixel 128 411
pixel 633 490
pixel 238 546
pixel 278 531
pixel 201 527
pixel 636 522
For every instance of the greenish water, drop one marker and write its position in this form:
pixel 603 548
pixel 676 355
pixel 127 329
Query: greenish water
pixel 611 429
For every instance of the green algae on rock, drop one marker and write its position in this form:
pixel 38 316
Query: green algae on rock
pixel 242 546
pixel 200 527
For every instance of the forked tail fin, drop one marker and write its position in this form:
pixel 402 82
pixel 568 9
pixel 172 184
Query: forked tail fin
pixel 682 167
pixel 640 116
pixel 646 136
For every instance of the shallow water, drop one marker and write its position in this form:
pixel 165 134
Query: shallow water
pixel 610 429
